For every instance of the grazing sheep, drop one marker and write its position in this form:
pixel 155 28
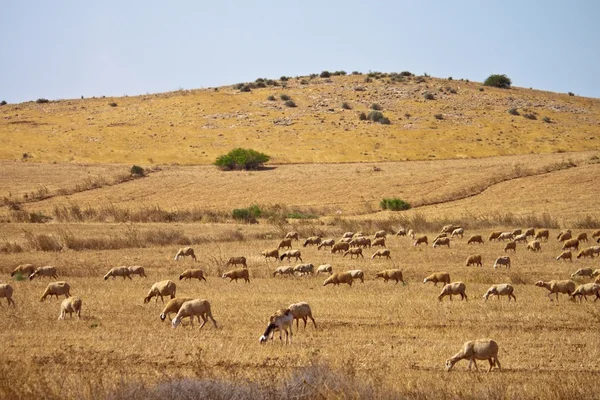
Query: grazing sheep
pixel 56 289
pixel 162 288
pixel 388 274
pixel 453 289
pixel 421 239
pixel 304 269
pixel 348 235
pixel 381 253
pixel 185 252
pixel 357 274
pixel 474 259
pixel 440 235
pixel 173 306
pixel 285 244
pixel 339 277
pixel 137 270
pixel 565 286
pixel 358 234
pixel 506 236
pixel 565 255
pixel 326 243
pixel 118 271
pixel 441 242
pixel 521 238
pixel 313 240
pixel 542 234
pixel 503 289
pixel 585 290
pixel 23 270
pixel 596 234
pixel 534 246
pixel 301 311
pixel 596 250
pixel 325 269
pixel 273 253
pixel 356 251
pixel 340 247
pixel 582 272
pixel 449 228
pixel 44 271
pixel 233 261
pixel 458 232
pixel 571 244
pixel 436 277
pixel 596 273
pixel 587 252
pixel 70 305
pixel 494 236
pixel 512 245
pixel 530 232
pixel 193 274
pixel 582 237
pixel 380 234
pixel 411 234
pixel 563 235
pixel 475 239
pixel 378 242
pixel 291 253
pixel 291 235
pixel 199 308
pixel 401 232
pixel 480 349
pixel 285 270
pixel 360 241
pixel 517 232
pixel 6 291
pixel 345 240
pixel 281 321
pixel 502 261
pixel 240 273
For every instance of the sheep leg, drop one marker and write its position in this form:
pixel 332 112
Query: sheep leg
pixel 203 321
pixel 497 363
pixel 491 360
pixel 306 319
pixel 475 364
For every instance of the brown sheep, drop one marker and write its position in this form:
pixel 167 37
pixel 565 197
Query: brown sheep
pixel 56 289
pixel 542 234
pixel 378 242
pixel 380 234
pixel 193 274
pixel 441 242
pixel 587 272
pixel 453 289
pixel 530 232
pixel 313 240
pixel 23 270
pixel 481 349
pixel 339 277
pixel 494 236
pixel 70 305
pixel 389 274
pixel 582 237
pixel 512 245
pixel 340 247
pixel 517 232
pixel 285 244
pixel 587 252
pixel 118 271
pixel 185 252
pixel 563 235
pixel 439 236
pixel 302 311
pixel 241 273
pixel 6 291
pixel 596 234
pixel 137 270
pixel 449 228
pixel 565 255
pixel 505 260
pixel 160 289
pixel 273 253
pixel 420 240
pixel 360 241
pixel 44 271
pixel 503 289
pixel 173 306
pixel 474 260
pixel 326 243
pixel 291 253
pixel 534 246
pixel 381 253
pixel 233 261
pixel 401 232
pixel 443 277
pixel 475 239
pixel 292 235
pixel 356 251
pixel 556 287
pixel 571 244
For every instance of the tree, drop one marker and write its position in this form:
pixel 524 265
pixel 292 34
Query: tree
pixel 241 159
pixel 499 81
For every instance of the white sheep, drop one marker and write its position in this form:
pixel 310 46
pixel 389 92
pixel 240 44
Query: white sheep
pixel 173 306
pixel 118 271
pixel 542 234
pixel 436 277
pixel 458 232
pixel 381 253
pixel 56 289
pixel 505 260
pixel 581 272
pixel 340 247
pixel 273 253
pixel 521 238
pixel 241 273
pixel 23 270
pixel 44 271
pixel 480 349
pixel 349 235
pixel 449 228
pixel 475 239
pixel 199 308
pixel 304 269
pixel 282 321
pixel 193 274
pixel 291 253
pixel 326 243
pixel 474 259
pixel 378 242
pixel 355 251
pixel 380 234
pixel 390 274
pixel 556 287
pixel 137 270
pixel 160 289
pixel 325 269
pixel 70 305
pixel 444 241
pixel 360 241
pixel 313 240
pixel 503 289
pixel 302 311
pixel 506 236
pixel 534 246
pixel 453 288
pixel 285 270
pixel 565 255
pixel 339 277
pixel 585 290
pixel 411 234
pixel 357 274
pixel 185 252
pixel 6 291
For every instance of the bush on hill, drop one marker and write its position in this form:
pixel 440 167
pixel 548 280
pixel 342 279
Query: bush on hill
pixel 499 81
pixel 241 159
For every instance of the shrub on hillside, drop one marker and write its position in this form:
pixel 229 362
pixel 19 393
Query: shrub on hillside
pixel 346 106
pixel 284 97
pixel 290 103
pixel 513 111
pixel 3 103
pixel 284 78
pixel 241 159
pixel 499 81
pixel 547 120
pixel 439 116
pixel 375 107
pixel 42 101
pixel 271 98
pixel 530 116
pixel 245 88
pixel 136 170
pixel 248 214
pixel 325 74
pixel 394 204
pixel 570 94
pixel 113 104
pixel 362 116
pixel 377 116
pixel 428 96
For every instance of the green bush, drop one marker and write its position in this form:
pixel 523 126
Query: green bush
pixel 547 120
pixel 245 88
pixel 284 97
pixel 325 74
pixel 375 107
pixel 271 98
pixel 377 116
pixel 439 116
pixel 530 116
pixel 394 204
pixel 290 103
pixel 346 106
pixel 42 101
pixel 284 78
pixel 362 116
pixel 513 111
pixel 3 103
pixel 570 94
pixel 499 81
pixel 113 104
pixel 429 96
pixel 241 159
pixel 136 170
pixel 248 215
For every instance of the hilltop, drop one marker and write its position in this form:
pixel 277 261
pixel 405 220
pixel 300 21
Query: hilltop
pixel 187 127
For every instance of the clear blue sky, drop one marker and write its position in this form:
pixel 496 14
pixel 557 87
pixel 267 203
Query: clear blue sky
pixel 65 49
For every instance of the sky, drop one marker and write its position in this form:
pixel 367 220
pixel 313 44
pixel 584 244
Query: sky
pixel 67 49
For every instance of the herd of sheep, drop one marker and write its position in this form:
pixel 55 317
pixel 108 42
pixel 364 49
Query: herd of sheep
pixel 351 244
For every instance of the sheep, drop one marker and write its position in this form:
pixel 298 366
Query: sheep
pixel 345 240
pixel 587 252
pixel 325 269
pixel 512 245
pixel 56 289
pixel 291 235
pixel 502 261
pixel 44 271
pixel 474 259
pixel 565 255
pixel 326 243
pixel 291 253
pixel 357 251
pixel 596 234
pixel 388 274
pixel 582 237
pixel 596 273
pixel 421 239
pixel 596 250
pixel 517 232
pixel 357 274
pixel 506 236
pixel 401 232
pixel 137 270
pixel 453 289
pixel 380 234
pixel 565 286
pixel 441 242
pixel 381 253
pixel 564 232
pixel 348 235
pixel 440 235
pixel 23 270
pixel 173 306
pixel 118 271
pixel 475 239
pixel 6 291
pixel 530 232
pixel 480 349
pixel 339 277
pixel 281 321
pixel 503 289
pixel 542 234
pixel 378 242
pixel 582 272
pixel 571 244
pixel 162 288
pixel 520 238
pixel 240 273
pixel 458 232
pixel 494 236
pixel 273 253
pixel 194 308
pixel 185 252
pixel 436 277
pixel 340 247
pixel 302 311
pixel 411 234
pixel 285 270
pixel 534 246
pixel 449 228
pixel 193 274
pixel 285 244
pixel 233 261
pixel 70 305
pixel 360 242
pixel 585 290
pixel 358 234
pixel 313 240
pixel 304 269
